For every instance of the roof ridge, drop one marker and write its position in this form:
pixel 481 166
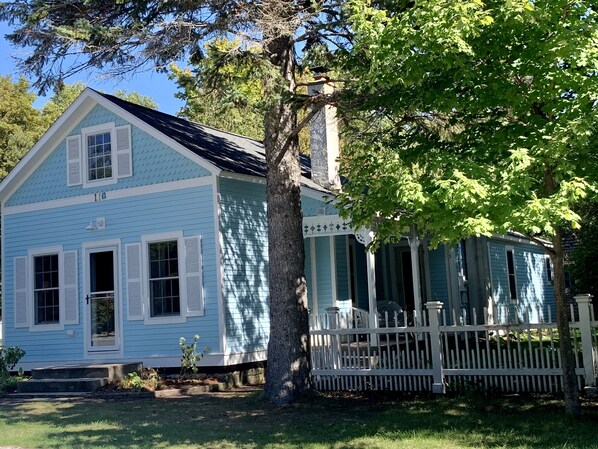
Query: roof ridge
pixel 110 97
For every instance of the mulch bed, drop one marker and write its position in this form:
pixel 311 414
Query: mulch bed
pixel 173 382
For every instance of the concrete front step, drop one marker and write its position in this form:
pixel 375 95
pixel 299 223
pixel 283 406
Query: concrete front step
pixel 75 378
pixel 61 385
pixel 112 372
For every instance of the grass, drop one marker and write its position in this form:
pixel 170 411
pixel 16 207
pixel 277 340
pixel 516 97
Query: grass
pixel 235 420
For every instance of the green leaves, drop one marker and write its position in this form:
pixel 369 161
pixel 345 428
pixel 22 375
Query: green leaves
pixel 468 106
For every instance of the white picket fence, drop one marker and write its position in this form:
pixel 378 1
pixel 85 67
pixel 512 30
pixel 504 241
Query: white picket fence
pixel 426 353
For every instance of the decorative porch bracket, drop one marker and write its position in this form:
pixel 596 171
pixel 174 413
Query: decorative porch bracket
pixel 329 225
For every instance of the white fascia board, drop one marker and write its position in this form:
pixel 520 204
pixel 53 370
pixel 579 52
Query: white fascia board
pixel 242 177
pixel 519 238
pixel 150 130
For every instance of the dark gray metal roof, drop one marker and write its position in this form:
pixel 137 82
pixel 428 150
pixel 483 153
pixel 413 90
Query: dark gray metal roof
pixel 227 151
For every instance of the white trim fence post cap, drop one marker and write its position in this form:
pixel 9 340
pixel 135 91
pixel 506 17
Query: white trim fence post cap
pixel 583 299
pixel 434 305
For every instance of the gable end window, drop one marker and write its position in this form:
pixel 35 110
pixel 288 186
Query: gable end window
pixel 99 156
pixel 46 293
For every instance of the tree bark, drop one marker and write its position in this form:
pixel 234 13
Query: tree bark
pixel 571 393
pixel 287 373
pixel 572 401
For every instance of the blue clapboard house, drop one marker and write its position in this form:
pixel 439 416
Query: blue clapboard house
pixel 124 229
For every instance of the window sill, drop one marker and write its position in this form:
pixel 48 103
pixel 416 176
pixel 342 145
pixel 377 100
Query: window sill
pixel 46 327
pixel 99 183
pixel 165 320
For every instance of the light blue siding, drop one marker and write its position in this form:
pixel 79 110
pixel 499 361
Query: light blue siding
pixel 243 222
pixel 308 277
pixel 312 207
pixel 438 282
pixel 127 219
pixel 534 292
pixel 153 163
pixel 324 270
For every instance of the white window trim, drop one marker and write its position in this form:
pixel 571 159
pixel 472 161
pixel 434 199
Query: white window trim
pixel 31 284
pixel 162 237
pixel 97 129
pixel 512 249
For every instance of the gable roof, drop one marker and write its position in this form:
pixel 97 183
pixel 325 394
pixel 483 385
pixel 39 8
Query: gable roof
pixel 229 152
pixel 219 150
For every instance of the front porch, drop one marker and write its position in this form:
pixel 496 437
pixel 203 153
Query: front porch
pixel 402 276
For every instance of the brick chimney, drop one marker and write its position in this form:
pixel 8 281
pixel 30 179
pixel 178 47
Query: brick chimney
pixel 323 135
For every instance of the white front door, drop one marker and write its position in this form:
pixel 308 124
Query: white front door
pixel 102 303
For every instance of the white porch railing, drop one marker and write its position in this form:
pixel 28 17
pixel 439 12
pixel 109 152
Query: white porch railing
pixel 436 356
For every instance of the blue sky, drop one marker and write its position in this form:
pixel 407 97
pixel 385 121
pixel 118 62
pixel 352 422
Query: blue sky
pixel 155 85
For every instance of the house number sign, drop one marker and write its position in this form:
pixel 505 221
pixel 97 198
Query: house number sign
pixel 99 196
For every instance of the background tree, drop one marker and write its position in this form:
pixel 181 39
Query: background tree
pixel 119 37
pixel 20 123
pixel 65 94
pixel 223 91
pixel 472 118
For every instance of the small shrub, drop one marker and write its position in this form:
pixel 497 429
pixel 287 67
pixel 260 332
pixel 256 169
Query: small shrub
pixel 9 357
pixel 189 357
pixel 147 379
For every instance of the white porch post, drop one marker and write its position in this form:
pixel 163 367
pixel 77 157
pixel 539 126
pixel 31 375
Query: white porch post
pixel 417 293
pixel 373 306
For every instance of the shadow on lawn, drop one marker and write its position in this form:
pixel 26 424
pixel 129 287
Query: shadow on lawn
pixel 229 420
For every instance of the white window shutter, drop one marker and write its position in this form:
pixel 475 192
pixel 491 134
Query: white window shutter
pixel 71 287
pixel 73 160
pixel 134 286
pixel 21 300
pixel 124 156
pixel 193 281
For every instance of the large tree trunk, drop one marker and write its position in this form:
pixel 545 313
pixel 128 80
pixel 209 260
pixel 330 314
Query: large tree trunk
pixel 287 373
pixel 572 401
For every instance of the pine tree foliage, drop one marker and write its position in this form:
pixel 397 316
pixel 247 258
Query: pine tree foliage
pixel 123 36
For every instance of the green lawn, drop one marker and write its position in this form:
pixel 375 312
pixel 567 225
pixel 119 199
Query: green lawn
pixel 230 420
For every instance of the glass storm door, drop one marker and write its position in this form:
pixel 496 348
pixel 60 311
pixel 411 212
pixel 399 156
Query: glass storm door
pixel 101 300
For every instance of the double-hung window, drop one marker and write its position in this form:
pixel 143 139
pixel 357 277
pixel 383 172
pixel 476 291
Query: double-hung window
pixel 46 290
pixel 164 287
pixel 99 156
